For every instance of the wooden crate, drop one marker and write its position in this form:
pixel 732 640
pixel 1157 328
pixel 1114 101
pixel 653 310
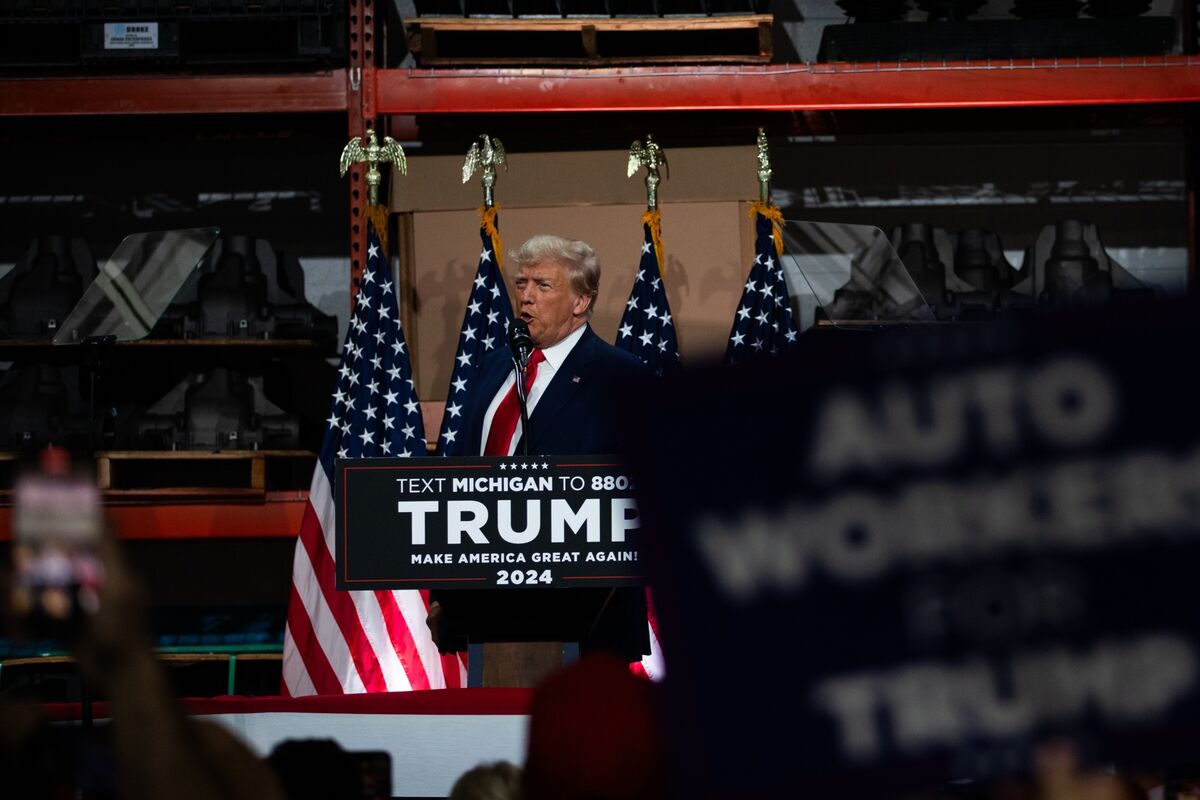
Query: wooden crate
pixel 186 472
pixel 462 41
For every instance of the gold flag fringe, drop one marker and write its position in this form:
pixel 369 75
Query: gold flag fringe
pixel 654 220
pixel 487 220
pixel 776 216
pixel 377 216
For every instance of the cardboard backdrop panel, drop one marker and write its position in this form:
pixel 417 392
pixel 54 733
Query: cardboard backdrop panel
pixel 585 177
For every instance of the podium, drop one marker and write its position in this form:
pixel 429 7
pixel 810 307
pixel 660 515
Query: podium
pixel 527 634
pixel 525 556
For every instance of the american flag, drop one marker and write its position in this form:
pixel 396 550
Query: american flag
pixel 763 323
pixel 366 641
pixel 647 329
pixel 485 327
pixel 648 332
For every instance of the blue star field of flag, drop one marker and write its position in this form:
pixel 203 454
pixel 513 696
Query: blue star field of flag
pixel 375 409
pixel 647 329
pixel 484 328
pixel 763 323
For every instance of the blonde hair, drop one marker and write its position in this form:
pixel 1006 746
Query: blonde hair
pixel 577 258
pixel 499 780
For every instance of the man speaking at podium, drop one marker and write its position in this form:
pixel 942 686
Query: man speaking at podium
pixel 573 380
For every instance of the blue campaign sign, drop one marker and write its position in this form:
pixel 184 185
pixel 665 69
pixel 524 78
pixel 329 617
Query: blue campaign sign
pixel 901 557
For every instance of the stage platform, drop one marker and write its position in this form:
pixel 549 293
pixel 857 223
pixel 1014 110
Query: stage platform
pixel 433 737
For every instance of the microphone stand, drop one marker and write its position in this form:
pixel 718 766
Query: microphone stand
pixel 521 365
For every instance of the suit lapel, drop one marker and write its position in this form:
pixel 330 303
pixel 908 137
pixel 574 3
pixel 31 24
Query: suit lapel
pixel 574 373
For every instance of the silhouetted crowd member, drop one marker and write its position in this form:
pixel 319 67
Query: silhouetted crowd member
pixel 499 780
pixel 594 734
pixel 315 769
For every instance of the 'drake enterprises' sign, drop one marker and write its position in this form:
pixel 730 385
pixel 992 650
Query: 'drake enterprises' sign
pixel 428 523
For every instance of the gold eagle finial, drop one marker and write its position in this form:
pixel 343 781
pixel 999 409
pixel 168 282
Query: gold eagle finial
pixel 487 158
pixel 651 156
pixel 373 154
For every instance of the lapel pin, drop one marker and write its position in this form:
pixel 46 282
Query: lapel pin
pixel 574 379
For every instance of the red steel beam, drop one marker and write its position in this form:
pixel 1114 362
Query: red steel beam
pixel 174 95
pixel 1095 81
pixel 277 516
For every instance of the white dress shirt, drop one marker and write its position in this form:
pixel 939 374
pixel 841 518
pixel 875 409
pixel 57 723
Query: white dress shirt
pixel 555 355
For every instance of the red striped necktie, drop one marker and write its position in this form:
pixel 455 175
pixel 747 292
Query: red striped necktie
pixel 504 423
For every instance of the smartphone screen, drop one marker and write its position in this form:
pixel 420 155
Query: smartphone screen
pixel 57 572
pixel 375 773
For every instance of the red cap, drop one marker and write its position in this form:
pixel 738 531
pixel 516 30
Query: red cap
pixel 594 733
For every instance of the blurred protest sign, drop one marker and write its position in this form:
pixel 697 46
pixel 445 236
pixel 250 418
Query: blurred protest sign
pixel 935 545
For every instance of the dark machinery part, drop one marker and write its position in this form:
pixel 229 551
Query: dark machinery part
pixel 1117 8
pixel 1046 9
pixel 40 291
pixel 875 10
pixel 221 409
pixel 42 407
pixel 949 10
pixel 245 289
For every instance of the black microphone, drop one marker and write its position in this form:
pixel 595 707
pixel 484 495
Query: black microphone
pixel 519 341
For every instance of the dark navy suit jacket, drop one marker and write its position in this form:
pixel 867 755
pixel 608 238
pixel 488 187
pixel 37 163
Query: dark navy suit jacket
pixel 577 414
